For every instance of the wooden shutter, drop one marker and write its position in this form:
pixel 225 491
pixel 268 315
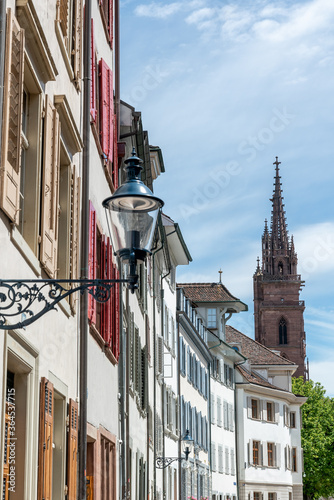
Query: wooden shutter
pixel 93 111
pixel 103 263
pixel 115 159
pixel 92 261
pixel 77 44
pixel 45 441
pixel 107 110
pixel 111 23
pixel 6 453
pixel 72 450
pixel 63 18
pixel 12 119
pixel 50 189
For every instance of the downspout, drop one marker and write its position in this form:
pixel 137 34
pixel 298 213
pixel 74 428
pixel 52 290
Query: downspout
pixel 117 65
pixel 2 58
pixel 236 432
pixel 83 305
pixel 163 394
pixel 179 399
pixel 122 384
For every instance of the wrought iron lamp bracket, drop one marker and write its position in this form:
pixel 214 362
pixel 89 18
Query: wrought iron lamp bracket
pixel 163 462
pixel 18 296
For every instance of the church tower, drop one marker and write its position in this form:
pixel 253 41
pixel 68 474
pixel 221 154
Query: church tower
pixel 278 311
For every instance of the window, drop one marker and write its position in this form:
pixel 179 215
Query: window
pixel 103 317
pixel 255 408
pixel 283 336
pixel 271 454
pixel 270 412
pixel 272 496
pixel 293 419
pixel 257 495
pixel 256 452
pixel 106 7
pixel 69 32
pixel 294 459
pixel 212 318
pixel 220 459
pixel 108 468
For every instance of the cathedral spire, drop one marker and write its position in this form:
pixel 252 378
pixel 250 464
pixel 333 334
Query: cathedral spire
pixel 279 233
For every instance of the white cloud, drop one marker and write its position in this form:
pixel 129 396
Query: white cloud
pixel 315 248
pixel 320 371
pixel 156 10
pixel 198 16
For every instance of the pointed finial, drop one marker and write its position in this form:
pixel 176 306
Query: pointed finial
pixel 276 162
pixel 220 275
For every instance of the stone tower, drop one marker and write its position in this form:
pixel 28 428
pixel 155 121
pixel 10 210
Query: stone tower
pixel 278 311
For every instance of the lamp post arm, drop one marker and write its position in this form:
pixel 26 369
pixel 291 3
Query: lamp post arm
pixel 163 462
pixel 17 297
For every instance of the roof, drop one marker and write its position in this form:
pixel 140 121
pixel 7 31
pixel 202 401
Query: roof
pixel 257 353
pixel 207 292
pixel 253 378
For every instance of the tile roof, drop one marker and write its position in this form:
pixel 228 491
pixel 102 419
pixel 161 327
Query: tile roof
pixel 253 378
pixel 257 353
pixel 207 292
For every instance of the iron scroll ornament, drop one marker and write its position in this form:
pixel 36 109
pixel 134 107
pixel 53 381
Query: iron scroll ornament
pixel 163 462
pixel 18 296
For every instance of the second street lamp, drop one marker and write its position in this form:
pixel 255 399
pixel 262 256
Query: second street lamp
pixel 187 446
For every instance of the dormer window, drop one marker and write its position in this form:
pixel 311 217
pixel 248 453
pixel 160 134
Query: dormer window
pixel 212 318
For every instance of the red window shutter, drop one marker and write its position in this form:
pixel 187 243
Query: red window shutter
pixel 93 77
pixel 92 262
pixel 108 308
pixel 103 275
pixel 72 450
pixel 106 110
pixel 115 160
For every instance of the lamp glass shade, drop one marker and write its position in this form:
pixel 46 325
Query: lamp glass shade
pixel 187 443
pixel 132 223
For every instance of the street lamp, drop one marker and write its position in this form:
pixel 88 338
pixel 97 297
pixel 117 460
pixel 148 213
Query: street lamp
pixel 133 212
pixel 187 446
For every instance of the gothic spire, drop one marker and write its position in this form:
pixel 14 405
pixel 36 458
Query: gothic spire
pixel 279 233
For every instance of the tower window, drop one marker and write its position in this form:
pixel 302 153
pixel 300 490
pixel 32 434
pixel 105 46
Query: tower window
pixel 283 336
pixel 280 268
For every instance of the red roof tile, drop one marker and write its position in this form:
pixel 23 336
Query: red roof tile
pixel 207 292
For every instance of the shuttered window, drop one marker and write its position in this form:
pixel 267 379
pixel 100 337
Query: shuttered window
pixel 104 316
pixel 45 441
pixel 106 7
pixel 12 119
pixel 69 20
pixel 106 110
pixel 93 107
pixel 50 189
pixel 72 449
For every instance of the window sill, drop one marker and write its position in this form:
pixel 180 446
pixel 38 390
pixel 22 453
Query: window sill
pixel 100 341
pixel 26 251
pixel 65 53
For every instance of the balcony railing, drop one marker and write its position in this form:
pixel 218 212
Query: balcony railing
pixel 280 277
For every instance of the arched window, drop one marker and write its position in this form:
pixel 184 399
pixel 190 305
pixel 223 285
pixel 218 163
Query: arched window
pixel 283 334
pixel 280 268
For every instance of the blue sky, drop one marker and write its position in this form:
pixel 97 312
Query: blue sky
pixel 223 88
